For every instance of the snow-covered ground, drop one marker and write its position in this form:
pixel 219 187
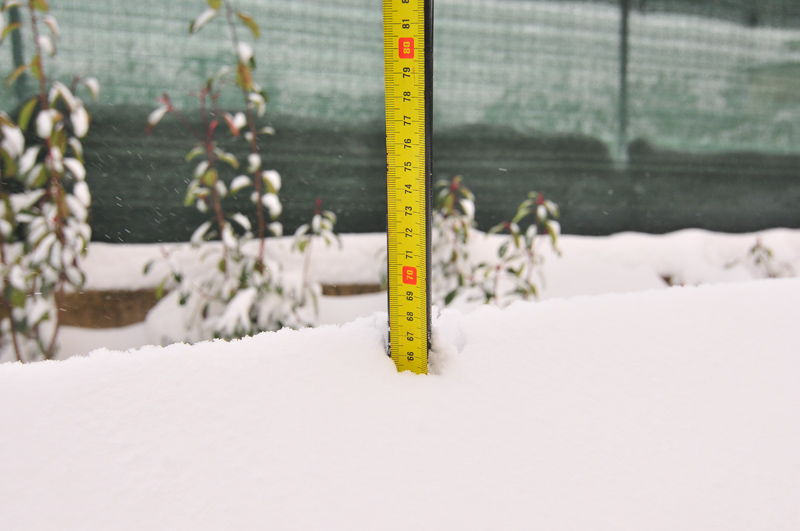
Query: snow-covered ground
pixel 615 403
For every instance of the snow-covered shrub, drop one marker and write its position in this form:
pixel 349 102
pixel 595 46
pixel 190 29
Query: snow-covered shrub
pixel 763 260
pixel 453 220
pixel 515 274
pixel 243 290
pixel 519 257
pixel 44 198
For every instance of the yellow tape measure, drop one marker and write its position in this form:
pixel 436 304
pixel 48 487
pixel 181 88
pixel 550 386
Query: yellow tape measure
pixel 407 58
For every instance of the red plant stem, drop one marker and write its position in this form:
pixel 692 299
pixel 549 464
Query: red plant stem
pixel 212 159
pixel 251 123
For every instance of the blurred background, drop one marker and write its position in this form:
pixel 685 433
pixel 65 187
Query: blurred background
pixel 632 115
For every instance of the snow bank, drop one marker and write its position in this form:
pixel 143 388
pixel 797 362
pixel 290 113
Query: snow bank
pixel 670 409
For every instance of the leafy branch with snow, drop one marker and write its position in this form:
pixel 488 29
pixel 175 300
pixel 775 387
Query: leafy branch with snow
pixel 519 256
pixel 244 290
pixel 44 198
pixel 515 274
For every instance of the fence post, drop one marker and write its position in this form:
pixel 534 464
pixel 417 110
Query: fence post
pixel 622 111
pixel 17 54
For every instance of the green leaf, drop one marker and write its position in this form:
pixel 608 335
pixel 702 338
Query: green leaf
pixel 40 5
pixel 36 67
pixel 26 112
pixel 215 4
pixel 8 29
pixel 199 150
pixel 40 179
pixel 148 266
pixel 450 296
pixel 503 249
pixel 228 158
pixel 250 23
pixel 497 228
pixel 16 298
pixel 189 197
pixel 202 19
pixel 9 164
pixel 244 77
pixel 210 177
pixel 160 288
pixel 15 74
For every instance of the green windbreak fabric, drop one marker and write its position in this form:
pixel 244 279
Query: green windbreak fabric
pixel 632 115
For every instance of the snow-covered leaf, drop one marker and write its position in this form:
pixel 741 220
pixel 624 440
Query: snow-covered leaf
pixel 77 207
pixel 200 169
pixel 81 191
pixel 222 190
pixel 75 168
pixel 242 221
pixel 258 101
pixel 468 207
pixel 94 87
pixel 60 89
pixel 239 120
pixel 75 276
pixel 80 121
pixel 273 180
pixel 199 233
pixel 541 212
pixel 55 160
pixel 47 45
pixel 157 115
pixel 242 181
pixel 13 141
pixel 202 19
pixel 301 230
pixel 244 52
pixel 273 204
pixel 52 23
pixel 228 238
pixel 253 162
pixel 28 159
pixel 6 229
pixel 77 148
pixel 44 123
pixel 236 317
pixel 235 122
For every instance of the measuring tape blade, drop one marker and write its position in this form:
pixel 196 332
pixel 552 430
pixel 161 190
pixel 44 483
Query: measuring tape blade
pixel 407 26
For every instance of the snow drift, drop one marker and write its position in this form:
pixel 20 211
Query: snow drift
pixel 670 409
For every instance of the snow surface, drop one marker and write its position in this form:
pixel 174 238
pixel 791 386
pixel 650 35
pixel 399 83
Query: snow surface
pixel 669 409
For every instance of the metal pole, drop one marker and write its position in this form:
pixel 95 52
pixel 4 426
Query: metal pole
pixel 622 112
